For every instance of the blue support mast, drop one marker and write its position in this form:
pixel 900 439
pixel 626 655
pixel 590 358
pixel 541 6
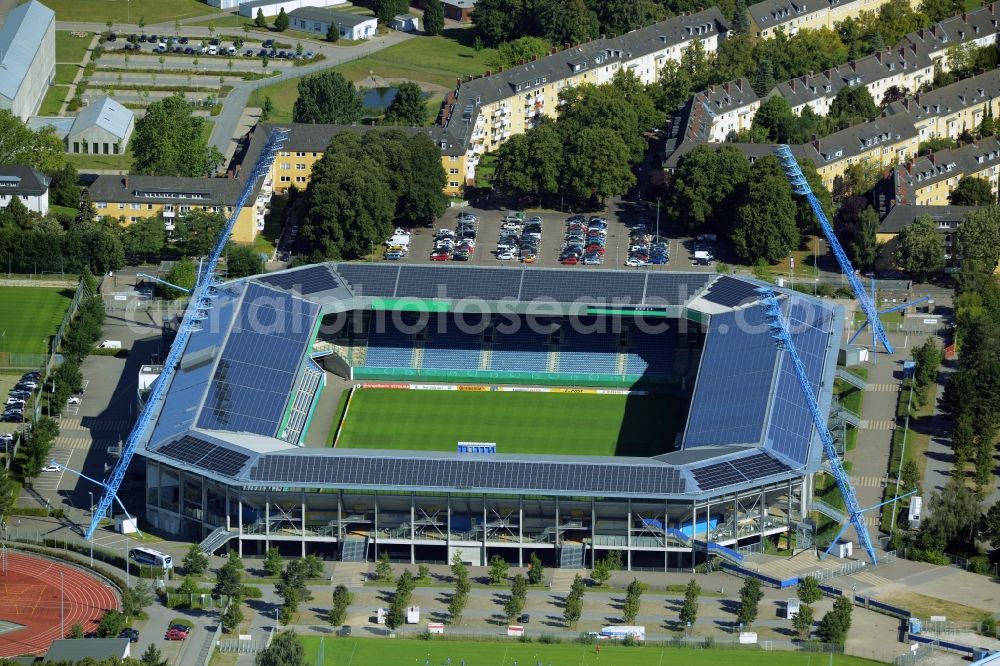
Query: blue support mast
pixel 801 186
pixel 776 322
pixel 202 297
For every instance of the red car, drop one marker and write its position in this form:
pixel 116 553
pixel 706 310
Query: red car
pixel 594 247
pixel 571 261
pixel 441 255
pixel 175 635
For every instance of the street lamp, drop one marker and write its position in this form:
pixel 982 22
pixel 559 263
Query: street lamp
pixel 902 452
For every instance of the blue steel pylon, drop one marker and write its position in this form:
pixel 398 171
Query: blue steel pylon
pixel 801 186
pixel 202 295
pixel 776 322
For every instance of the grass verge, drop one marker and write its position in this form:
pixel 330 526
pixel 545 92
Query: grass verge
pixel 53 101
pixel 71 49
pixel 65 73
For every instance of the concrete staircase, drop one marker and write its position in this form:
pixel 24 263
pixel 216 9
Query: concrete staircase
pixel 349 574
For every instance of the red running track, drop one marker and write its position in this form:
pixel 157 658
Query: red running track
pixel 30 596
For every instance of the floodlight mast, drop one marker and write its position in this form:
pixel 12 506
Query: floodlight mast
pixel 801 186
pixel 201 298
pixel 782 337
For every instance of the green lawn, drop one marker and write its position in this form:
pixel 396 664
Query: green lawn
pixel 234 21
pixel 53 101
pixel 65 73
pixel 559 423
pixel 434 60
pixel 116 162
pixel 396 652
pixel 125 11
pixel 71 49
pixel 29 316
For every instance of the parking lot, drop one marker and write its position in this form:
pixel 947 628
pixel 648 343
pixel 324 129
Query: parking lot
pixel 225 47
pixel 553 231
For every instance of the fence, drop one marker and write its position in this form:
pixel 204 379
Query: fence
pixel 770 580
pixel 237 646
pixel 884 608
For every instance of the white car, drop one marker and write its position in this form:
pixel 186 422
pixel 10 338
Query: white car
pixel 50 468
pixel 636 262
pixel 506 256
pixel 73 400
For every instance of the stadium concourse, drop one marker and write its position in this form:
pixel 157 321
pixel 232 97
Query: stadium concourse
pixel 226 463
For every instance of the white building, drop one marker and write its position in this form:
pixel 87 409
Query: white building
pixel 103 128
pixel 27 58
pixel 350 26
pixel 27 184
pixel 274 7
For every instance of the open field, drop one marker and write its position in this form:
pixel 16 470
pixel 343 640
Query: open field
pixel 84 162
pixel 125 11
pixel 436 61
pixel 556 423
pixel 379 652
pixel 924 606
pixel 29 316
pixel 71 49
pixel 232 21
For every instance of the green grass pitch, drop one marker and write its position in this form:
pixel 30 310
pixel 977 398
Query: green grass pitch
pixel 405 652
pixel 555 423
pixel 30 316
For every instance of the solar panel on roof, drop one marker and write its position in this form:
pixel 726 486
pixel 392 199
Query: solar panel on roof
pixel 567 286
pixel 717 475
pixel 224 461
pixel 484 475
pixel 195 451
pixel 254 375
pixel 673 288
pixel 376 280
pixel 731 292
pixel 457 282
pixel 305 281
pixel 740 470
pixel 187 449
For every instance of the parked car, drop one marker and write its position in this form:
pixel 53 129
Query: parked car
pixel 183 40
pixel 50 468
pixel 113 37
pixel 268 43
pixel 248 53
pixel 506 255
pixel 175 635
pixel 131 634
pixel 570 260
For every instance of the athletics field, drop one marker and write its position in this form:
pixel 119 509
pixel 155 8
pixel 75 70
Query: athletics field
pixel 408 652
pixel 560 423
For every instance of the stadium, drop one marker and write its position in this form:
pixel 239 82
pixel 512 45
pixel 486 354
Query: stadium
pixel 351 409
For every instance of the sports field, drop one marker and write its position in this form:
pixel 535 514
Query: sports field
pixel 557 423
pixel 402 652
pixel 30 316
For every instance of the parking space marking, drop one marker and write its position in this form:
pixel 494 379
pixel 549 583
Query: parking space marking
pixel 52 480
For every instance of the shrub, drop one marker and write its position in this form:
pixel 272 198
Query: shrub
pixel 251 592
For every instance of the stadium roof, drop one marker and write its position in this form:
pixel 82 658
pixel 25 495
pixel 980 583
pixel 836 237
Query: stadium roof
pixel 227 410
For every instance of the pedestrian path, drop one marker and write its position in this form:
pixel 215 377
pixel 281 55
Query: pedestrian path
pixel 93 423
pixel 890 387
pixel 878 424
pixel 83 442
pixel 869 481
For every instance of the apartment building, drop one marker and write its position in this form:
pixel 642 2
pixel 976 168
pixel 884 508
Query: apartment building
pixel 26 184
pixel 482 113
pixel 975 28
pixel 133 198
pixel 947 218
pixel 951 110
pixel 930 179
pixel 727 108
pixel 793 15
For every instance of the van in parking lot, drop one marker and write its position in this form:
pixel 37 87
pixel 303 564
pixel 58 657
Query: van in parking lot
pixel 213 50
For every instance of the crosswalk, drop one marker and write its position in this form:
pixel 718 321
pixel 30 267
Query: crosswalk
pixel 890 387
pixel 94 424
pixel 878 424
pixel 82 442
pixel 869 481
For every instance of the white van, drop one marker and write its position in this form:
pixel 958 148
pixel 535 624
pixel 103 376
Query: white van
pixel 916 506
pixel 212 50
pixel 111 344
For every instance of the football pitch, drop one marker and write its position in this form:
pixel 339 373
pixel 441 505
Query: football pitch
pixel 406 652
pixel 30 316
pixel 555 423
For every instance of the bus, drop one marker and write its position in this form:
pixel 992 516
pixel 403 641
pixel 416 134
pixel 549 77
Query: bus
pixel 141 555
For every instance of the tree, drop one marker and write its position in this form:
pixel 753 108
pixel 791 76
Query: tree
pixel 535 569
pixel 456 605
pixel 196 233
pixel 229 580
pixel 519 51
pixel 259 20
pixel 111 624
pixel 383 568
pixel 573 607
pixel 835 624
pixel 515 602
pixel 386 10
pixel 928 358
pixel 407 107
pixel 144 238
pixel 978 240
pixel 604 567
pixel 689 610
pixel 434 17
pixel 741 20
pixel 909 476
pixel 342 598
pixel 630 609
pixel 939 10
pixel 327 97
pixel 291 586
pixel 951 519
pixel 531 162
pixel 765 225
pixel 42 149
pixel 972 191
pixel 864 249
pixel 853 105
pixel 332 33
pixel 243 261
pixel 7 488
pixel 705 188
pixel 183 274
pixel 808 590
pixel 987 127
pixel 763 79
pixel 152 657
pixel 921 248
pixel 285 650
pixel 233 616
pixel 460 571
pixel 565 21
pixel 266 109
pixel 774 120
pixel 750 596
pixel 281 21
pixel 892 94
pixel 597 164
pixel 272 562
pixel 990 528
pixel 169 141
pixel 803 621
pixel 63 188
pixel 196 561
pixel 498 570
